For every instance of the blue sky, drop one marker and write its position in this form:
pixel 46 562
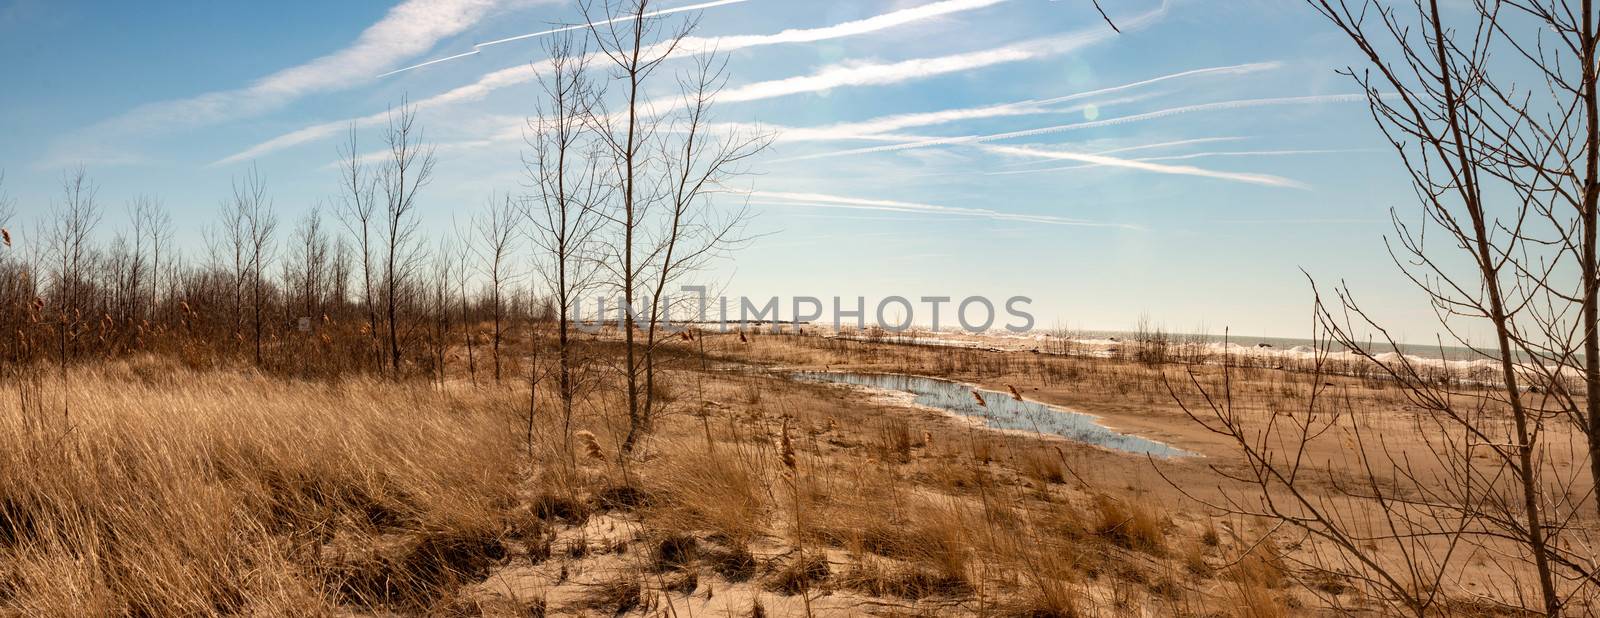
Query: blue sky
pixel 1195 195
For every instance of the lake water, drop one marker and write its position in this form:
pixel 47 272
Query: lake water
pixel 1003 411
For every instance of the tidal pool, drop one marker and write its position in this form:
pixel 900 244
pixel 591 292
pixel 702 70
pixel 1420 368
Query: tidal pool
pixel 1003 411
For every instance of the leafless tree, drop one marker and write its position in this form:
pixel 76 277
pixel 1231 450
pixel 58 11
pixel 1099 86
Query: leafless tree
pixel 358 208
pixel 665 167
pixel 153 232
pixel 70 247
pixel 565 173
pixel 312 264
pixel 406 170
pixel 1504 168
pixel 461 257
pixel 253 224
pixel 229 244
pixel 497 230
pixel 339 270
pixel 442 300
pixel 697 165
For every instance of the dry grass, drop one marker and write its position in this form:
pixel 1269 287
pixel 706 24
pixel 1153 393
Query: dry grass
pixel 218 492
pixel 175 491
pixel 1128 523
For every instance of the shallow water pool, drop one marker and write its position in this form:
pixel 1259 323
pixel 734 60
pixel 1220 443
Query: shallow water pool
pixel 1003 411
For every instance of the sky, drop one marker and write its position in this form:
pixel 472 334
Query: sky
pixel 1194 167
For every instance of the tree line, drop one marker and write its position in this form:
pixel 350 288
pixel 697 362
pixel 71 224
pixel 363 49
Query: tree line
pixel 622 166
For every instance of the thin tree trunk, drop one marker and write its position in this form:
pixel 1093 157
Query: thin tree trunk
pixel 1591 279
pixel 1526 472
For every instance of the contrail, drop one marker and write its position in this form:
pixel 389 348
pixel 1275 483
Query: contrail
pixel 976 139
pixel 479 46
pixel 1160 168
pixel 1154 146
pixel 1192 155
pixel 821 200
pixel 1181 142
pixel 1236 69
pixel 521 73
pixel 882 124
pixel 876 73
pixel 437 61
pixel 880 128
pixel 692 7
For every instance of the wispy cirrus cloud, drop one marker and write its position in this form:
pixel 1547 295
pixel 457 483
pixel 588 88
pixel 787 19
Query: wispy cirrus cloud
pixel 1147 166
pixel 557 30
pixel 1195 155
pixel 875 128
pixel 823 200
pixel 524 73
pixel 877 74
pixel 885 73
pixel 409 29
pixel 1089 124
pixel 1135 147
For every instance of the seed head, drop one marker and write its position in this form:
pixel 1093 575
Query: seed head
pixel 787 446
pixel 591 446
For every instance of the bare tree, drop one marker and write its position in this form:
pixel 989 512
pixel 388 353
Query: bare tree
pixel 625 40
pixel 358 208
pixel 565 172
pixel 697 166
pixel 496 228
pixel 462 260
pixel 229 244
pixel 441 298
pixel 69 245
pixel 153 231
pixel 253 226
pixel 664 169
pixel 408 168
pixel 339 270
pixel 312 264
pixel 1505 171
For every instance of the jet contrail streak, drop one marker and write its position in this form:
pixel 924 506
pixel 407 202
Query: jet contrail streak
pixel 1160 168
pixel 479 46
pixel 1181 142
pixel 1237 69
pixel 692 7
pixel 821 200
pixel 437 61
pixel 856 130
pixel 1192 155
pixel 691 46
pixel 977 139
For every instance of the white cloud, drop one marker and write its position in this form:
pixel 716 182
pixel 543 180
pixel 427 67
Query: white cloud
pixel 546 32
pixel 1146 166
pixel 872 128
pixel 1173 111
pixel 884 73
pixel 523 73
pixel 406 30
pixel 1192 155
